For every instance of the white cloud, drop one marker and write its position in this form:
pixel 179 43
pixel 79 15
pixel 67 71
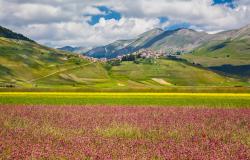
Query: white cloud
pixel 64 22
pixel 196 12
pixel 83 34
pixel 90 10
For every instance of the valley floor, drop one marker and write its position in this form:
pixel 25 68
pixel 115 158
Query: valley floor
pixel 116 132
pixel 101 125
pixel 231 100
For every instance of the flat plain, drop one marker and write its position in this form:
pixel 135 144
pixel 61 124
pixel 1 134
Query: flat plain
pixel 81 125
pixel 231 100
pixel 123 132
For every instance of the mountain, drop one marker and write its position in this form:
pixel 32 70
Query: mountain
pixel 81 50
pixel 171 42
pixel 69 48
pixel 4 32
pixel 108 51
pixel 179 40
pixel 123 47
pixel 156 39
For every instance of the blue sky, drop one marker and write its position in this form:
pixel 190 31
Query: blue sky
pixel 107 14
pixel 91 23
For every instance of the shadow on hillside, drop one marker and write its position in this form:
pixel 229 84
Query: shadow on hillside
pixel 242 70
pixel 4 71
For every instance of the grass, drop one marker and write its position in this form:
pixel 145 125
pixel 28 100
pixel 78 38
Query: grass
pixel 175 73
pixel 23 63
pixel 16 123
pixel 120 131
pixel 234 52
pixel 139 99
pixel 137 76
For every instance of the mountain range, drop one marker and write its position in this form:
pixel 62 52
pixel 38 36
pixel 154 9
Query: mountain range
pixel 171 42
pixel 222 59
pixel 80 50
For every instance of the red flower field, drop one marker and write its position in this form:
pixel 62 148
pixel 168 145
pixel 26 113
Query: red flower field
pixel 102 132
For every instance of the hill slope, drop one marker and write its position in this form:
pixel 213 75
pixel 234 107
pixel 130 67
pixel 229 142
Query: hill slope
pixel 168 73
pixel 162 74
pixel 230 55
pixel 21 62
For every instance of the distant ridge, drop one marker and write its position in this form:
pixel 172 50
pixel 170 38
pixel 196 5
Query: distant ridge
pixel 6 33
pixel 155 39
pixel 80 50
pixel 181 40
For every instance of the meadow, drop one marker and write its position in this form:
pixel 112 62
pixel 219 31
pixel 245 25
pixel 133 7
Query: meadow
pixel 105 132
pixel 153 126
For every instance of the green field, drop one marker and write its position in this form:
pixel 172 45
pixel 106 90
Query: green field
pixel 231 100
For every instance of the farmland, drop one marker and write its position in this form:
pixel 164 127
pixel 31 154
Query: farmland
pixel 82 125
pixel 231 100
pixel 89 125
pixel 105 132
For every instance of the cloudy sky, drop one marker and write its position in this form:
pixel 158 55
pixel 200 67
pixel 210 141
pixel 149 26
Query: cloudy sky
pixel 91 23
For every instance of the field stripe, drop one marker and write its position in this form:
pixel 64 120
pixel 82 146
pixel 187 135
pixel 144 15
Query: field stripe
pixel 122 94
pixel 60 71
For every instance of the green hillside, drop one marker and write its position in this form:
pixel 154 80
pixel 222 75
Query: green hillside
pixel 230 57
pixel 22 62
pixel 218 53
pixel 27 64
pixel 128 75
pixel 168 73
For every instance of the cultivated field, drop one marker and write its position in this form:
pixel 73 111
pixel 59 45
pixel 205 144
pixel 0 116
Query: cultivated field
pixel 154 126
pixel 104 132
pixel 231 100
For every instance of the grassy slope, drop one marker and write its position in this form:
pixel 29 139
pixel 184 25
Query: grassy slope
pixel 23 62
pixel 129 76
pixel 86 75
pixel 173 72
pixel 218 53
pixel 228 57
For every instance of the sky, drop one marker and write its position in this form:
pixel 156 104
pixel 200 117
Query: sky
pixel 90 23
